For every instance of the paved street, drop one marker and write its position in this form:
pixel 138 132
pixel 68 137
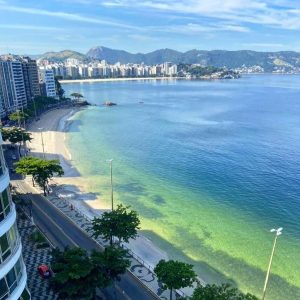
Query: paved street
pixel 62 232
pixel 65 227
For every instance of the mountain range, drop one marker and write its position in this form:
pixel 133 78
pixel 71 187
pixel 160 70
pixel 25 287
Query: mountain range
pixel 218 58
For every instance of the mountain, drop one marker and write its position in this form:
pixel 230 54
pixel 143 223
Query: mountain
pixel 218 58
pixel 62 55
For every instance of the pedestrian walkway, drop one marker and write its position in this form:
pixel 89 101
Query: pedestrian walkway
pixel 138 269
pixel 33 257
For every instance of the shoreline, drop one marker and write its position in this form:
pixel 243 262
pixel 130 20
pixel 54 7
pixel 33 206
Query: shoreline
pixel 71 186
pixel 90 80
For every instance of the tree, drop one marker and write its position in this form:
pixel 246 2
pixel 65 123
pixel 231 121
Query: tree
pixel 59 90
pixel 77 96
pixel 222 292
pixel 41 170
pixel 175 275
pixel 16 135
pixel 27 166
pixel 119 223
pixel 75 274
pixel 18 116
pixel 112 263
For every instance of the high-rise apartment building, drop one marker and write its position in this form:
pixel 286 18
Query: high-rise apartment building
pixel 31 78
pixel 12 84
pixel 12 268
pixel 46 77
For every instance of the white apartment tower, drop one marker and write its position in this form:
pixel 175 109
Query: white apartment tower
pixel 47 78
pixel 12 269
pixel 12 85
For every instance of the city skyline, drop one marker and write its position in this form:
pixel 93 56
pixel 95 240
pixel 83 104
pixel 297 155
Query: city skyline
pixel 144 26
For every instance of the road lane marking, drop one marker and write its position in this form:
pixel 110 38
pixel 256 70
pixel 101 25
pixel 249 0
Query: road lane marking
pixel 57 226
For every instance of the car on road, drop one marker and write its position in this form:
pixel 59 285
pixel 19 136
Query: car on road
pixel 44 271
pixel 13 157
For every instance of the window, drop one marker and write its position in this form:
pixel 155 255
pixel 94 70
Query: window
pixel 5 201
pixel 5 250
pixel 2 162
pixel 8 242
pixel 4 204
pixel 11 279
pixel 3 289
pixel 9 282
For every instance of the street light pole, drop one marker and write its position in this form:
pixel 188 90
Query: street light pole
pixel 42 138
pixel 111 184
pixel 278 232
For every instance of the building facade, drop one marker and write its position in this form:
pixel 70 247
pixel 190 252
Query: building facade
pixel 12 85
pixel 31 78
pixel 12 268
pixel 47 82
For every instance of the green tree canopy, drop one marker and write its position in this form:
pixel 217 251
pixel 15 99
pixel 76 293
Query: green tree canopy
pixel 112 262
pixel 77 96
pixel 222 292
pixel 75 274
pixel 18 116
pixel 120 223
pixel 16 135
pixel 41 170
pixel 175 275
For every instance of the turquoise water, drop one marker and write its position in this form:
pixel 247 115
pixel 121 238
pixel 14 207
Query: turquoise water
pixel 211 167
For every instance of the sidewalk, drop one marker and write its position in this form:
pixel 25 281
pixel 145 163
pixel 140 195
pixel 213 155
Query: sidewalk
pixel 33 257
pixel 143 273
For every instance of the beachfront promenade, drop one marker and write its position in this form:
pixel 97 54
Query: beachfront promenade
pixel 65 227
pixel 70 227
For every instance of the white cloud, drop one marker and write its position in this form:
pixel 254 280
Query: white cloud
pixel 142 37
pixel 278 13
pixel 264 45
pixel 27 27
pixel 192 28
pixel 63 15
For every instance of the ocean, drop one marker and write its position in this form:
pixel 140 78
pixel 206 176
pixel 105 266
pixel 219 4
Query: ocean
pixel 210 166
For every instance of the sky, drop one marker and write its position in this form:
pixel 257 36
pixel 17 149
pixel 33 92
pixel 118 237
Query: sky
pixel 38 26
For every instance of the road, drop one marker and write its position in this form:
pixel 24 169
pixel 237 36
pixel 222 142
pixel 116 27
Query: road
pixel 62 232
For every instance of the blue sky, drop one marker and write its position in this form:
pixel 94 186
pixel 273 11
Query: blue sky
pixel 37 26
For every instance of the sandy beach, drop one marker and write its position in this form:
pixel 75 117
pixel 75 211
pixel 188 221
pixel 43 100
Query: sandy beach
pixel 90 80
pixel 52 128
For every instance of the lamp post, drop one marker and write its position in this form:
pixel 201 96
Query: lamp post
pixel 42 138
pixel 278 232
pixel 111 184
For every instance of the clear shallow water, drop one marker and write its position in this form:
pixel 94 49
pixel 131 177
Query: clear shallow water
pixel 210 167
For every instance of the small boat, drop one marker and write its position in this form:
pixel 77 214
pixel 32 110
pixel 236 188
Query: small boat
pixel 141 102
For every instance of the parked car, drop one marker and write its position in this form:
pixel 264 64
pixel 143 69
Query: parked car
pixel 13 157
pixel 44 271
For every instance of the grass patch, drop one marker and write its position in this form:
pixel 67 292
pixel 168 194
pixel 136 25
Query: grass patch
pixel 39 239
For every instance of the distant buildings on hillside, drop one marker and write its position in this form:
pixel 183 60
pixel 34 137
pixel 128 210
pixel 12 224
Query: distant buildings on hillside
pixel 21 81
pixel 73 69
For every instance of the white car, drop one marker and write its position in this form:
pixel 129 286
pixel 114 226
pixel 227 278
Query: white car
pixel 13 157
